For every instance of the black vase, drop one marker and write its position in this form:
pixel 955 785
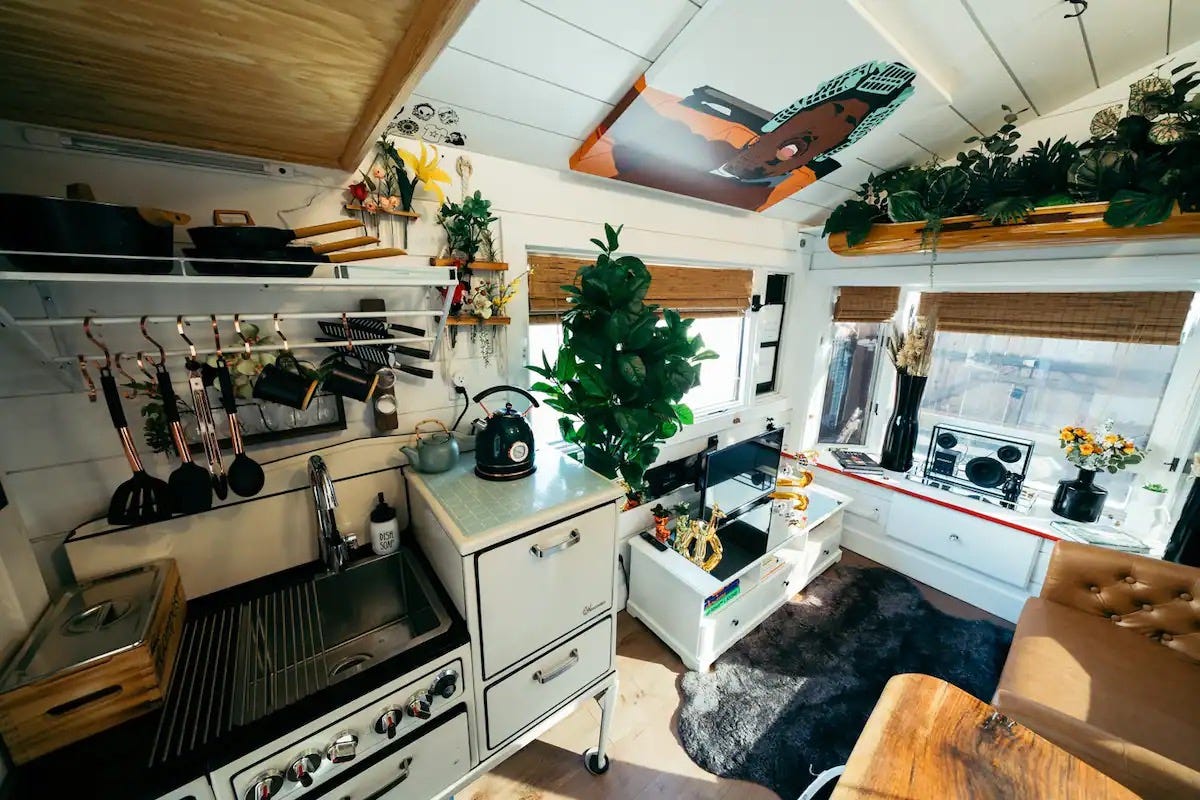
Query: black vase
pixel 901 436
pixel 1080 499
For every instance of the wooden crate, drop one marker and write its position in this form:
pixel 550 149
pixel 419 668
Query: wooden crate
pixel 43 716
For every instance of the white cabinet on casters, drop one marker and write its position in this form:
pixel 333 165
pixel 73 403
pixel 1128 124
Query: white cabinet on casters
pixel 531 566
pixel 700 616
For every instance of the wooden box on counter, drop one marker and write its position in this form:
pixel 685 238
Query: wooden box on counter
pixel 101 655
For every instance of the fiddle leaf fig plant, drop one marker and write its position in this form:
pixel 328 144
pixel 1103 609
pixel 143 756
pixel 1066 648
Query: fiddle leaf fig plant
pixel 620 372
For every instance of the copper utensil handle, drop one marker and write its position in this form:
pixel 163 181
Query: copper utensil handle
pixel 328 227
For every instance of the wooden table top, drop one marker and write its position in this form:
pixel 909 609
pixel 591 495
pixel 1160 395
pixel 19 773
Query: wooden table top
pixel 928 739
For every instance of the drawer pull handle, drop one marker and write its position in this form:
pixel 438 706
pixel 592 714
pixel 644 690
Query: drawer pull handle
pixel 404 765
pixel 570 541
pixel 546 677
pixel 954 537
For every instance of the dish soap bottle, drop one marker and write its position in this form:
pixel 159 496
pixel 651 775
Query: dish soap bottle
pixel 385 530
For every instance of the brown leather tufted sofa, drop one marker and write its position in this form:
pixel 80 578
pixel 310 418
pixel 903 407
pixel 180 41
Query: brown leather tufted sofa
pixel 1105 663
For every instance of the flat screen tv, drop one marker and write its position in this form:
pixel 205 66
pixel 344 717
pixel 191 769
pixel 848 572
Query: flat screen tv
pixel 739 478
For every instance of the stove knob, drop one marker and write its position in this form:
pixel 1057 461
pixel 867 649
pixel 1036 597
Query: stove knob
pixel 388 721
pixel 265 786
pixel 302 768
pixel 342 749
pixel 446 684
pixel 420 705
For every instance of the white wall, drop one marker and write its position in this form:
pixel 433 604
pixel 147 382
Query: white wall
pixel 62 458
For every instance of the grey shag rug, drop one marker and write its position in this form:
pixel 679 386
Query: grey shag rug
pixel 790 699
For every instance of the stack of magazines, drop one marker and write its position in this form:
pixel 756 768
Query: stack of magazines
pixel 1103 537
pixel 854 461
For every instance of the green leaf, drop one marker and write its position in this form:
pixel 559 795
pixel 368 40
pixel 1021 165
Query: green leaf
pixel 946 191
pixel 1132 208
pixel 684 414
pixel 905 207
pixel 545 388
pixel 1060 199
pixel 854 218
pixel 545 373
pixel 611 235
pixel 1007 210
pixel 632 472
pixel 564 368
pixel 598 243
pixel 631 368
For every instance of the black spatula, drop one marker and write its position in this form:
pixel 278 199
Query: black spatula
pixel 190 484
pixel 143 498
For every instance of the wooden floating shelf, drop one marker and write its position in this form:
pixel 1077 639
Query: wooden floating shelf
pixel 407 214
pixel 469 320
pixel 1081 223
pixel 479 266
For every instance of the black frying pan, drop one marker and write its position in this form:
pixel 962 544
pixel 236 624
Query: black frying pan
pixel 986 472
pixel 246 236
pixel 258 264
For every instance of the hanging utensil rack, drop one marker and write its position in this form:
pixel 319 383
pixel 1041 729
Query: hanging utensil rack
pixel 342 279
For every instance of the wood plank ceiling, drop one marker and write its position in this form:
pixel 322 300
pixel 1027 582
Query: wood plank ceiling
pixel 291 80
pixel 529 79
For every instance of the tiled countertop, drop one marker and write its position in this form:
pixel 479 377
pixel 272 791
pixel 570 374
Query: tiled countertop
pixel 479 513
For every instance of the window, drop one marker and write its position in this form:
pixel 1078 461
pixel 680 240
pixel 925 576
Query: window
pixel 720 378
pixel 848 384
pixel 769 320
pixel 1031 387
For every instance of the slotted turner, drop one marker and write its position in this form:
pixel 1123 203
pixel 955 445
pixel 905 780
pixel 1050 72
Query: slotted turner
pixel 143 498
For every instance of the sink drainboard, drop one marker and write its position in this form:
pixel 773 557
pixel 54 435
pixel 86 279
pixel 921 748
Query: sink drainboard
pixel 239 664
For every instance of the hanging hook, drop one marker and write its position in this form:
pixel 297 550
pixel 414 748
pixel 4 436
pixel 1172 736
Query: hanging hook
pixel 87 331
pixel 142 360
pixel 179 323
pixel 87 378
pixel 287 348
pixel 237 327
pixel 349 336
pixel 216 337
pixel 162 354
pixel 132 392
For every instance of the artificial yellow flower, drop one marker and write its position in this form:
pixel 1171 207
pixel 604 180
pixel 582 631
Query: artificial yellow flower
pixel 1127 447
pixel 1086 449
pixel 1067 435
pixel 1111 438
pixel 426 170
pixel 1082 433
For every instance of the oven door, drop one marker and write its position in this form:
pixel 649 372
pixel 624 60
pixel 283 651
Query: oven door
pixel 417 767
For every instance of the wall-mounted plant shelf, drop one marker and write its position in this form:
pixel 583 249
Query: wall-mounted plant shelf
pixel 408 214
pixel 477 266
pixel 1081 223
pixel 469 320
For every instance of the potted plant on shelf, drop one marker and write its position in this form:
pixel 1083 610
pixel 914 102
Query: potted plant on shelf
pixel 911 353
pixel 467 227
pixel 1105 449
pixel 620 375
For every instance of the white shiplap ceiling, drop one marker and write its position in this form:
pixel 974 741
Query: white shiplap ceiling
pixel 531 79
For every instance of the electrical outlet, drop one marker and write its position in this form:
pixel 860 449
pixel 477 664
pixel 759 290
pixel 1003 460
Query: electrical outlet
pixel 459 379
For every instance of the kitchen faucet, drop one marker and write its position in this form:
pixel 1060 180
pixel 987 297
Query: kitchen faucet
pixel 333 546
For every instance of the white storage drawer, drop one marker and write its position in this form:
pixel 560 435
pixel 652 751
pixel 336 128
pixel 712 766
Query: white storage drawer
pixel 994 550
pixel 520 699
pixel 734 620
pixel 540 587
pixel 438 757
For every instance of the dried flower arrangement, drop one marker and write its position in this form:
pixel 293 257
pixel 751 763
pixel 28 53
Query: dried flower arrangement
pixel 1102 450
pixel 911 350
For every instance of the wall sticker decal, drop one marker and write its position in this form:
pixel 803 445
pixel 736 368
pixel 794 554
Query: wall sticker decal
pixel 424 121
pixel 716 147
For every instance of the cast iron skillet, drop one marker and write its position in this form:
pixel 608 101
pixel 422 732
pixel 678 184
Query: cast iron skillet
pixel 986 472
pixel 248 237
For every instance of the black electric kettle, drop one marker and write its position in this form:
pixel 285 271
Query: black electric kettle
pixel 504 448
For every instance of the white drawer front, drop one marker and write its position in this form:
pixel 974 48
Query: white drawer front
pixel 732 622
pixel 425 768
pixel 537 688
pixel 539 587
pixel 994 550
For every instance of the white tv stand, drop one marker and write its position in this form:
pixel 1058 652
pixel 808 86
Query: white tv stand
pixel 699 616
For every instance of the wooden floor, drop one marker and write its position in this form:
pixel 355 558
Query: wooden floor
pixel 648 760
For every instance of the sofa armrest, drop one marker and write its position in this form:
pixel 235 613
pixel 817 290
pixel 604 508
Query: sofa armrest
pixel 1150 774
pixel 1158 599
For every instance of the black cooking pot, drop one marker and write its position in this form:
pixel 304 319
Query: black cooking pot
pixel 57 225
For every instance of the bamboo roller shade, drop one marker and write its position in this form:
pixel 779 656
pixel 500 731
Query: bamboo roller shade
pixel 866 303
pixel 1141 317
pixel 692 291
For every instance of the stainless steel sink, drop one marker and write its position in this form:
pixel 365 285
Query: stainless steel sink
pixel 242 661
pixel 373 610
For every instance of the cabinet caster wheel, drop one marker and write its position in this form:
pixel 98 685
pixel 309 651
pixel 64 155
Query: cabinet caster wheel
pixel 592 764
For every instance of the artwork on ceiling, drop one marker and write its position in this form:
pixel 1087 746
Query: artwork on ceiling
pixel 429 123
pixel 716 147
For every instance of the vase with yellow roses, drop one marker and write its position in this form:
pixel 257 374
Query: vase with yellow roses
pixel 1091 451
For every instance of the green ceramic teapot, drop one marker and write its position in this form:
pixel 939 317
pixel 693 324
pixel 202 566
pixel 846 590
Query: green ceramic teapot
pixel 435 452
